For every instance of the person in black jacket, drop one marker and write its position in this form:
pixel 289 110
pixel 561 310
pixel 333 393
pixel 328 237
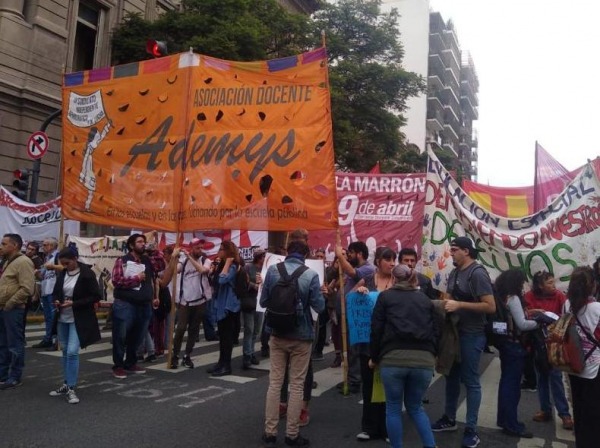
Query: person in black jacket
pixel 75 294
pixel 404 336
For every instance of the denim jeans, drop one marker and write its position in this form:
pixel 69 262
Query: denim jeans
pixel 408 385
pixel 130 325
pixel 69 341
pixel 467 372
pixel 252 327
pixel 209 323
pixel 512 361
pixel 12 344
pixel 552 381
pixel 49 310
pixel 147 345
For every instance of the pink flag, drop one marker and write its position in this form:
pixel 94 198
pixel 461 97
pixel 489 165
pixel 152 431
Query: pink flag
pixel 550 178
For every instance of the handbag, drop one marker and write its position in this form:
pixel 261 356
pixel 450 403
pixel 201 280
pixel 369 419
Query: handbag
pixel 248 302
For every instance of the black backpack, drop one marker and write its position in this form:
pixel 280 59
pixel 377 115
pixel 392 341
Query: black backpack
pixel 282 308
pixel 242 283
pixel 499 326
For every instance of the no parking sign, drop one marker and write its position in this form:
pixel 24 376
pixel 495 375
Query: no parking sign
pixel 37 145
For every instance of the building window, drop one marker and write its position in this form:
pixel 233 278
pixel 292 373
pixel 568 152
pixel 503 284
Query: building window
pixel 88 36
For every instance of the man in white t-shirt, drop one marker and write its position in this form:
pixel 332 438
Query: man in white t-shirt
pixel 193 294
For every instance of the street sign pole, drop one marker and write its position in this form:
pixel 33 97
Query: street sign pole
pixel 37 164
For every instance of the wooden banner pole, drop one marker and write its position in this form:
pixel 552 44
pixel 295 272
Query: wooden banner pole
pixel 173 311
pixel 338 242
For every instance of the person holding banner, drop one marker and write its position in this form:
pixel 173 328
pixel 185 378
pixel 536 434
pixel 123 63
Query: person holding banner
pixel 227 305
pixel 355 268
pixel 373 414
pixel 472 297
pixel 193 295
pixel 48 272
pixel 76 294
pixel 404 334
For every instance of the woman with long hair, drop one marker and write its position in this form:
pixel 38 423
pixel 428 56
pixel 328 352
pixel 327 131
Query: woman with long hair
pixel 544 296
pixel 227 305
pixel 509 289
pixel 585 386
pixel 373 414
pixel 404 333
pixel 76 294
pixel 596 268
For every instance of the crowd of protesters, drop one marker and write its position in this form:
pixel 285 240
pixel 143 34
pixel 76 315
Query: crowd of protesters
pixel 415 329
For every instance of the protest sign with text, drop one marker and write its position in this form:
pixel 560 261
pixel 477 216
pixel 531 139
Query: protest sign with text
pixel 191 142
pixel 558 238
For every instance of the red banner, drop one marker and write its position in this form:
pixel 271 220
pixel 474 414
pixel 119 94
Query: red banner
pixel 378 209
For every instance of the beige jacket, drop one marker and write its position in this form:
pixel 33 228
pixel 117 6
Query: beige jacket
pixel 17 282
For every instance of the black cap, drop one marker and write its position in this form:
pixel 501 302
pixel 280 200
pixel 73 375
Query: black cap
pixel 466 243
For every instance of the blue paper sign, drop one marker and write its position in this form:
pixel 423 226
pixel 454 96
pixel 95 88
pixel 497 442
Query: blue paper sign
pixel 359 309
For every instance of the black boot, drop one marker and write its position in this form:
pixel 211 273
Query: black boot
pixel 246 362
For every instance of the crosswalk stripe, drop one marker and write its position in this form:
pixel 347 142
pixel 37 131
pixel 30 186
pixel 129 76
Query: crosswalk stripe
pixel 91 349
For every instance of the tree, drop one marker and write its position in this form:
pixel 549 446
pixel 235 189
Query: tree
pixel 242 30
pixel 369 87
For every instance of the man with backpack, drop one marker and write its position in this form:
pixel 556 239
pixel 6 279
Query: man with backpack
pixel 290 289
pixel 192 297
pixel 471 292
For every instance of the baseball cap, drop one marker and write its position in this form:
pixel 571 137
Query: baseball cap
pixel 465 243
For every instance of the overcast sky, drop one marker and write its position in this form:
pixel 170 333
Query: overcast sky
pixel 537 65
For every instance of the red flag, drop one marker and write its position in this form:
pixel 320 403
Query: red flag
pixel 375 169
pixel 550 178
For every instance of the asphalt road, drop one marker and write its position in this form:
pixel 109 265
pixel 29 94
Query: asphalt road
pixel 186 408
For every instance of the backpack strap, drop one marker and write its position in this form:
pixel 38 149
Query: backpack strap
pixel 181 278
pixel 298 272
pixel 283 271
pixel 591 338
pixel 478 266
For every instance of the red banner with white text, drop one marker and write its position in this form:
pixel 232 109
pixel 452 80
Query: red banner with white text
pixel 378 209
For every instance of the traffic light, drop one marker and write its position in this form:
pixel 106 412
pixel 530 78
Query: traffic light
pixel 157 48
pixel 21 183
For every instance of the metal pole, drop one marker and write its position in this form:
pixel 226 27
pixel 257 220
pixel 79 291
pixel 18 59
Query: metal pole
pixel 37 164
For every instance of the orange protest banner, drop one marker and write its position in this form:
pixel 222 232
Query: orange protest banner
pixel 191 142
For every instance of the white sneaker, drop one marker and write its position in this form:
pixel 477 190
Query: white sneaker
pixel 363 436
pixel 62 390
pixel 72 397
